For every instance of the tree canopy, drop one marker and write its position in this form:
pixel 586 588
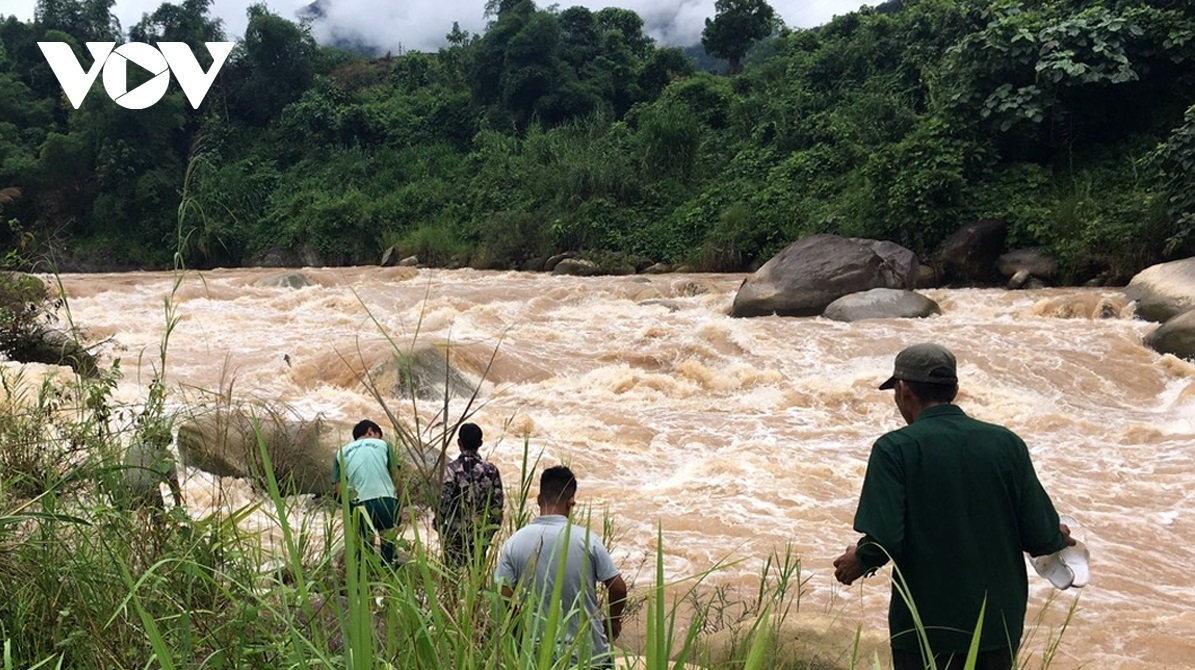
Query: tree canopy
pixel 571 129
pixel 735 27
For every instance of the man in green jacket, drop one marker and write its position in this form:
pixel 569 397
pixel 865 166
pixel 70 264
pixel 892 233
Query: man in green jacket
pixel 953 502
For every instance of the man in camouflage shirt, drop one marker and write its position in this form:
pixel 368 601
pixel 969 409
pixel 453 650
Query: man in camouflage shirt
pixel 471 502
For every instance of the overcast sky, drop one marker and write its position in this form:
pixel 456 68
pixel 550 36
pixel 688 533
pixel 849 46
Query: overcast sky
pixel 422 24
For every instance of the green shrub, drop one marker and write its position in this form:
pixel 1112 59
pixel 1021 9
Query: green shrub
pixel 437 244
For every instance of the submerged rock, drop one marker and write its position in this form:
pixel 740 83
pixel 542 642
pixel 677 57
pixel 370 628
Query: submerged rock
pixel 285 280
pixel 424 373
pixel 881 303
pixel 1081 306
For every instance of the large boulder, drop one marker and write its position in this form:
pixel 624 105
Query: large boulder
pixel 577 267
pixel 1163 291
pixel 1176 336
pixel 552 261
pixel 969 255
pixel 881 303
pixel 391 256
pixel 815 271
pixel 230 442
pixel 53 347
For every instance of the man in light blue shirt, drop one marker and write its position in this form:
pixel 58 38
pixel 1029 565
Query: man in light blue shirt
pixel 551 549
pixel 369 466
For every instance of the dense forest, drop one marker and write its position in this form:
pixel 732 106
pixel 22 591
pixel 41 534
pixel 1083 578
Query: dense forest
pixel 570 129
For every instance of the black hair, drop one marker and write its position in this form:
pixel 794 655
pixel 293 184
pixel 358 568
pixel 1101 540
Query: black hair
pixel 364 427
pixel 469 436
pixel 556 485
pixel 932 392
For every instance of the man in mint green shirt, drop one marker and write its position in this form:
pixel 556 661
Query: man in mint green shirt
pixel 954 502
pixel 369 467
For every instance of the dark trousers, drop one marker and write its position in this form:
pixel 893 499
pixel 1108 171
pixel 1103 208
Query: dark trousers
pixel 383 514
pixel 461 548
pixel 999 659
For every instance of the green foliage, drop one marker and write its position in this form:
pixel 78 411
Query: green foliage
pixel 918 184
pixel 87 20
pixel 436 244
pixel 670 136
pixel 1023 195
pixel 507 240
pixel 186 22
pixel 735 26
pixel 25 307
pixel 1174 162
pixel 662 68
pixel 271 67
pixel 1030 67
pixel 573 128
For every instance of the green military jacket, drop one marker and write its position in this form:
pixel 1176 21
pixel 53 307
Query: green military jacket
pixel 954 502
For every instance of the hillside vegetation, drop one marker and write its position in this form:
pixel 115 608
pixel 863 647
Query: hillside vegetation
pixel 569 129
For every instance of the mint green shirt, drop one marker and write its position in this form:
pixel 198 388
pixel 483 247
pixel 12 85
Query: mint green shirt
pixel 367 464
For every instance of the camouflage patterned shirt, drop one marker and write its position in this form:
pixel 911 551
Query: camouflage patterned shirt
pixel 471 495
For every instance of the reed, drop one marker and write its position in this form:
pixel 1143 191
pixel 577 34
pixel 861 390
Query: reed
pixel 90 584
pixel 92 579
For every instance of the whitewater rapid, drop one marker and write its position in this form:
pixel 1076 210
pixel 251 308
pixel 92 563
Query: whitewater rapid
pixel 735 437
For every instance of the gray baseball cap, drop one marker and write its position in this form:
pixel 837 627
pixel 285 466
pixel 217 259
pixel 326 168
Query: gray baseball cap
pixel 929 363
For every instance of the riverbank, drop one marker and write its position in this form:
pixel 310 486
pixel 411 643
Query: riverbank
pixel 735 436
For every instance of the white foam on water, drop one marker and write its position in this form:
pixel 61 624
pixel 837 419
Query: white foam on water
pixel 737 437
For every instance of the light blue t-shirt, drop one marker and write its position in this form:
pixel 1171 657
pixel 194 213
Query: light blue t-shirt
pixel 367 463
pixel 529 561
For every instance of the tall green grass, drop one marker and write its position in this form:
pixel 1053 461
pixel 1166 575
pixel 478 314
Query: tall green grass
pixel 89 583
pixel 90 580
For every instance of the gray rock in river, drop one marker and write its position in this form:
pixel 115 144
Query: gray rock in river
pixel 881 303
pixel 808 275
pixel 1164 290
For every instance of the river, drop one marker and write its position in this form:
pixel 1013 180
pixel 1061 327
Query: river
pixel 735 436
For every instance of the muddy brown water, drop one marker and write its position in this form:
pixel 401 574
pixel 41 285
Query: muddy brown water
pixel 734 436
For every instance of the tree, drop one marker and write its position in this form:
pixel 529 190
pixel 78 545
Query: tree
pixel 736 25
pixel 84 20
pixel 185 22
pixel 273 65
pixel 628 29
pixel 664 66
